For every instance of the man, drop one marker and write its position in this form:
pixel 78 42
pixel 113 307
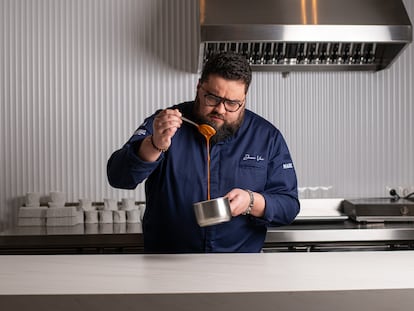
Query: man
pixel 250 165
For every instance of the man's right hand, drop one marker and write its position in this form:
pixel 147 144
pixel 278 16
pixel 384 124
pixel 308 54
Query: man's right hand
pixel 165 125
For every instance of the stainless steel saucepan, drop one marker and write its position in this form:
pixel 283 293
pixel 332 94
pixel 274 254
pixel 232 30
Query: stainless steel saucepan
pixel 212 212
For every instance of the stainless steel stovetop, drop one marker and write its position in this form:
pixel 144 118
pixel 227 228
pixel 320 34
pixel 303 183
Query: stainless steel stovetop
pixel 379 209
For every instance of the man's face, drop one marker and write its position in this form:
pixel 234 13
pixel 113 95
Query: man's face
pixel 225 122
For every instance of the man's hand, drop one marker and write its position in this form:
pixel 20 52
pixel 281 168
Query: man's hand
pixel 164 127
pixel 240 200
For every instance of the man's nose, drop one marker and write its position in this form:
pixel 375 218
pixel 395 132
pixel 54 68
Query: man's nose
pixel 220 107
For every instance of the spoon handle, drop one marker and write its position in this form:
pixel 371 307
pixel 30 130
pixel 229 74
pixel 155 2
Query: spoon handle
pixel 189 121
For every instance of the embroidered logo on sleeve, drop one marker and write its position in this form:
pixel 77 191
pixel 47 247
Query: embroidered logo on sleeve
pixel 287 165
pixel 140 132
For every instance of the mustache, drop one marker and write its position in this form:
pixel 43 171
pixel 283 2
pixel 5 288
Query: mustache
pixel 217 115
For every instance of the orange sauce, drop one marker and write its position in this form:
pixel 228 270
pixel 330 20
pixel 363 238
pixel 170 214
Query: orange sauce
pixel 207 131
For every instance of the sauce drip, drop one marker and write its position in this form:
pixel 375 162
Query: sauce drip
pixel 207 131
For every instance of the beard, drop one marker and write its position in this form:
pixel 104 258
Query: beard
pixel 225 131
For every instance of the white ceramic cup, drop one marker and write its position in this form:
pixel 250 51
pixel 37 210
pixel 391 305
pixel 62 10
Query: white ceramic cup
pixel 141 208
pixel 128 204
pixel 119 217
pixel 133 216
pixel 106 217
pixel 91 217
pixel 110 205
pixel 85 204
pixel 57 196
pixel 32 199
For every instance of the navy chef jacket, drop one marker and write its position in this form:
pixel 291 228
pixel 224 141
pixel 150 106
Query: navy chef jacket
pixel 255 158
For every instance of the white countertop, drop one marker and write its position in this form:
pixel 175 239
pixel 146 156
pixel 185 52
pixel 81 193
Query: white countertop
pixel 207 274
pixel 200 273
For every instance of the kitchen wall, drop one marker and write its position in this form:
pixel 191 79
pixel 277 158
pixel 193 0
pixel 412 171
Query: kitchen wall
pixel 77 77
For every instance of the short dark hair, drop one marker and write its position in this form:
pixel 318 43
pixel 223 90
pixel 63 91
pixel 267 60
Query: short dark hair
pixel 228 65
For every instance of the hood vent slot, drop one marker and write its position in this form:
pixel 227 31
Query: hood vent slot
pixel 283 54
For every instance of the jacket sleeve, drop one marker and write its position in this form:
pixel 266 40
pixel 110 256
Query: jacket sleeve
pixel 281 194
pixel 125 169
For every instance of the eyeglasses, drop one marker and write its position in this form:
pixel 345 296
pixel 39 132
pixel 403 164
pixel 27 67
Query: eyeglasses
pixel 214 100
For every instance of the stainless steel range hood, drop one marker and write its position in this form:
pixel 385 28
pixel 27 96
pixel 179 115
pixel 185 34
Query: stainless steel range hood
pixel 306 35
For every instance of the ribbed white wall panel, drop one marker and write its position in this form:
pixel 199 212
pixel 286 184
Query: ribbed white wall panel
pixel 78 76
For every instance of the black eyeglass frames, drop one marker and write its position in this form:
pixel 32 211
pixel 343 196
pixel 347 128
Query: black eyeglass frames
pixel 214 100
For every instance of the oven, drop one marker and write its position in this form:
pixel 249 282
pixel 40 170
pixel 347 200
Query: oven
pixel 335 225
